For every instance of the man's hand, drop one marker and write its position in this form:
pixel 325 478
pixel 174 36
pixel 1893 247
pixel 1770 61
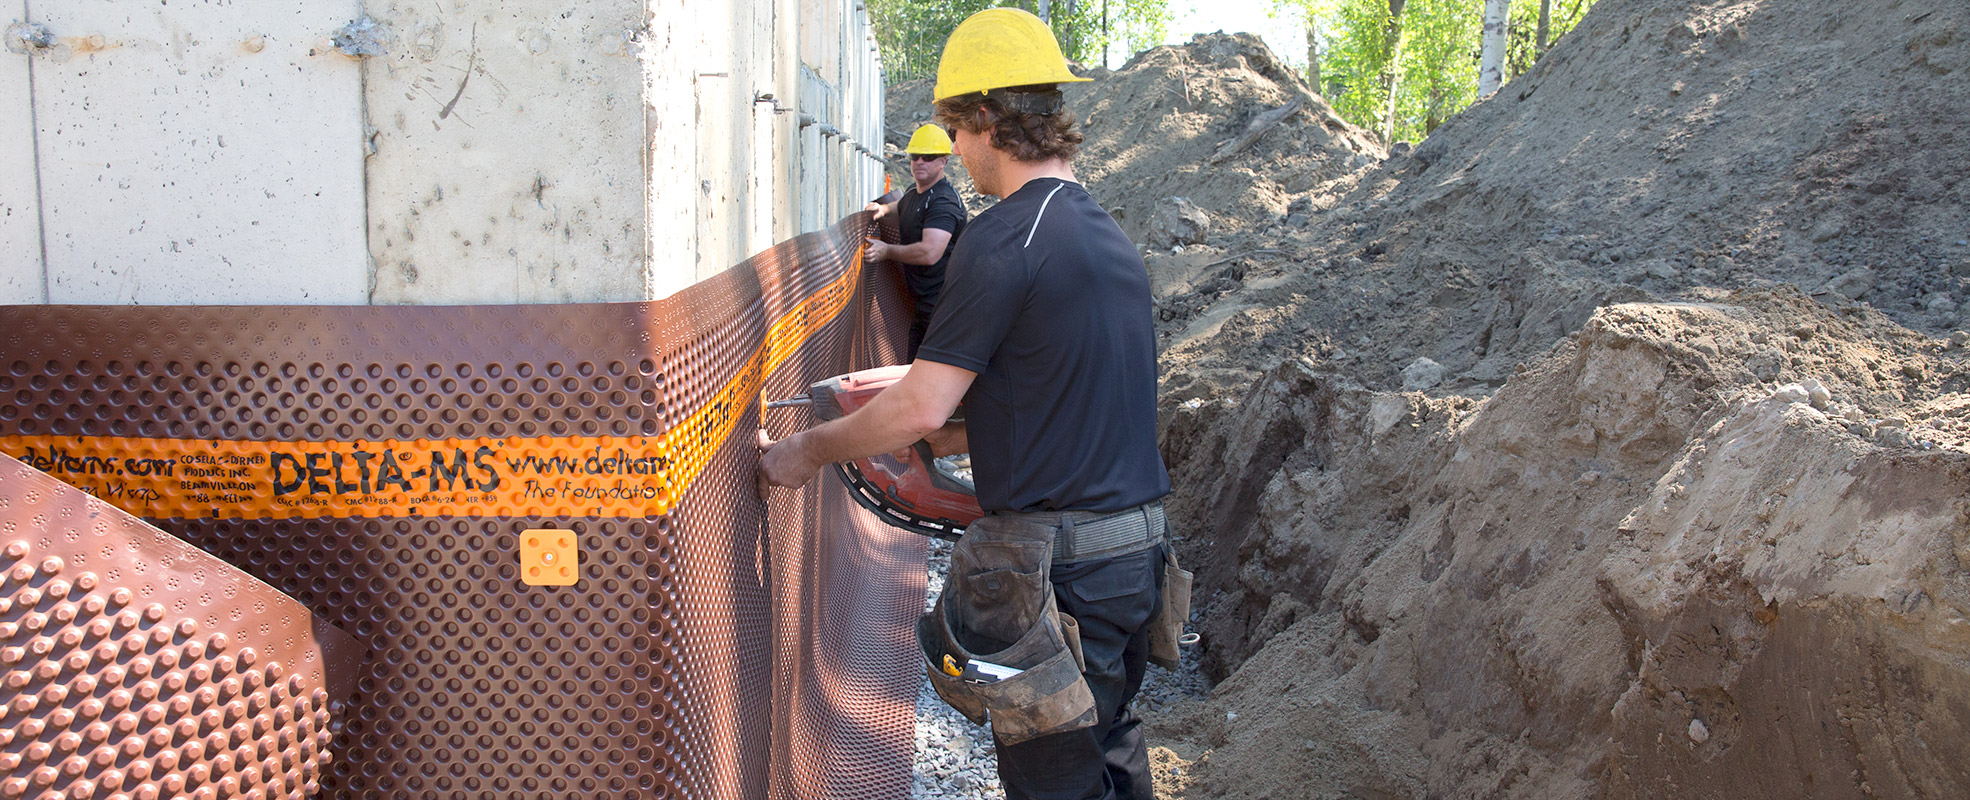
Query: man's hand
pixel 916 406
pixel 881 209
pixel 783 463
pixel 924 253
pixel 948 440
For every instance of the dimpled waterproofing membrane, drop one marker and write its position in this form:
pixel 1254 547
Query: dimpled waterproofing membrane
pixel 136 666
pixel 380 464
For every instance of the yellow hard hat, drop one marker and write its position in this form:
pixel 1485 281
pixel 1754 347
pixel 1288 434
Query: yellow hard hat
pixel 929 140
pixel 997 48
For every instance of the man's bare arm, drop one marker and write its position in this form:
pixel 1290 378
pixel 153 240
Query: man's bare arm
pixel 922 253
pixel 912 408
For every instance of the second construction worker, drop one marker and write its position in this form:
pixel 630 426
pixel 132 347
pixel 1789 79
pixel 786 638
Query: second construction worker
pixel 1043 331
pixel 929 217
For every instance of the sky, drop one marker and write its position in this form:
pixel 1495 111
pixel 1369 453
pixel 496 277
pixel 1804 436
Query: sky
pixel 1285 35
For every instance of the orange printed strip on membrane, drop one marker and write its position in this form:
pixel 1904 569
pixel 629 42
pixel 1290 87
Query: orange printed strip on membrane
pixel 606 476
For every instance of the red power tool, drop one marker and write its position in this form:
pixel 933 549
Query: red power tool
pixel 908 488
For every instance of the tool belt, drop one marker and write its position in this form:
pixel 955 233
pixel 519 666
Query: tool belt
pixel 998 611
pixel 997 607
pixel 1084 535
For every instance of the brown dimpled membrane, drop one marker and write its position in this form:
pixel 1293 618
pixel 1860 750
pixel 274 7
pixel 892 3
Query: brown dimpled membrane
pixel 137 666
pixel 381 464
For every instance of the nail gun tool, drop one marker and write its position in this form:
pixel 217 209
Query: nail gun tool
pixel 908 488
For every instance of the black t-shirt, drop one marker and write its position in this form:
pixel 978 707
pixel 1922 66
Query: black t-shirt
pixel 938 208
pixel 1048 302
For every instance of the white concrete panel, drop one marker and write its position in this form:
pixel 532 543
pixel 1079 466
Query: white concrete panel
pixel 670 64
pixel 786 129
pixel 731 75
pixel 714 81
pixel 718 144
pixel 509 163
pixel 21 275
pixel 200 151
pixel 760 174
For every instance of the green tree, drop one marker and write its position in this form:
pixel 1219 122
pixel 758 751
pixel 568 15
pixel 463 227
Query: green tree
pixel 1527 42
pixel 1355 59
pixel 1402 67
pixel 1442 59
pixel 911 33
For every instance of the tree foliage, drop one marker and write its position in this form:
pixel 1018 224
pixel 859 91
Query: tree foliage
pixel 911 33
pixel 1437 58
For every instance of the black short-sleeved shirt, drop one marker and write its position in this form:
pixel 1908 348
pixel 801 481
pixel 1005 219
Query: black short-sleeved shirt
pixel 939 208
pixel 1048 301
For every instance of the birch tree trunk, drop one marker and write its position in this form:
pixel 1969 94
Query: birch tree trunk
pixel 1313 55
pixel 1491 59
pixel 1545 27
pixel 1392 74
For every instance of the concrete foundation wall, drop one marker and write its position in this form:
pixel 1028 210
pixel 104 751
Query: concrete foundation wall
pixel 458 151
pixel 507 163
pixel 201 152
pixel 21 275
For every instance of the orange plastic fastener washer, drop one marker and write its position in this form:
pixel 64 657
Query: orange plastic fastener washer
pixel 549 557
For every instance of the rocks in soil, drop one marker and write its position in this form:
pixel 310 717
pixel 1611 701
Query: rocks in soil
pixel 1817 394
pixel 1852 285
pixel 1792 393
pixel 1176 221
pixel 1421 374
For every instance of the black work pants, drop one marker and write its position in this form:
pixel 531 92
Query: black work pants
pixel 1113 599
pixel 919 325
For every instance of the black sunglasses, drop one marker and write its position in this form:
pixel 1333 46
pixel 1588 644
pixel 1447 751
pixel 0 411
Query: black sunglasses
pixel 925 156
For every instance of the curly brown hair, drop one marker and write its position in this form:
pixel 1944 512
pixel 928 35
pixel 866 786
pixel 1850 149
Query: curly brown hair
pixel 1025 136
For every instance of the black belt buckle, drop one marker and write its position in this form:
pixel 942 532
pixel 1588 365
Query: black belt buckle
pixel 1066 534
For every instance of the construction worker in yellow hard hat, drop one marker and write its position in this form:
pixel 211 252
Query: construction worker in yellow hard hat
pixel 1044 332
pixel 929 216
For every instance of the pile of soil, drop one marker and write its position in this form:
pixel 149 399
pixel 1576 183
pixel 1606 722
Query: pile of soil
pixel 1171 124
pixel 1659 147
pixel 1637 565
pixel 1676 495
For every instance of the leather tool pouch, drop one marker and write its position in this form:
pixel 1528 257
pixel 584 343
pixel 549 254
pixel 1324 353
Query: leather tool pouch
pixel 1166 629
pixel 998 607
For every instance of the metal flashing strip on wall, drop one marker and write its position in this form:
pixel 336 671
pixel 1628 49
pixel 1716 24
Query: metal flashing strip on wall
pixel 382 464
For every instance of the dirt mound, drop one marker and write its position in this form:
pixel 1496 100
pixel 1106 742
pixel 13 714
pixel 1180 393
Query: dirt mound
pixel 1191 121
pixel 1679 497
pixel 1661 146
pixel 1638 565
pixel 1218 122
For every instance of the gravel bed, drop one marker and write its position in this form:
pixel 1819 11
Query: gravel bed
pixel 955 760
